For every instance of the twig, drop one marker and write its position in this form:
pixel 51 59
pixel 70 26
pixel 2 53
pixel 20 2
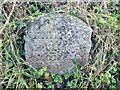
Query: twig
pixel 4 2
pixel 5 13
pixel 7 21
pixel 102 69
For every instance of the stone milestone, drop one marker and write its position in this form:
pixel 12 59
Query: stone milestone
pixel 55 40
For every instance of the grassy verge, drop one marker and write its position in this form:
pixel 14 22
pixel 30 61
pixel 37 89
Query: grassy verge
pixel 102 70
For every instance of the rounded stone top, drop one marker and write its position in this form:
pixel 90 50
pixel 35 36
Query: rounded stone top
pixel 55 40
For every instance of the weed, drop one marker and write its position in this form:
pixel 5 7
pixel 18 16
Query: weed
pixel 99 72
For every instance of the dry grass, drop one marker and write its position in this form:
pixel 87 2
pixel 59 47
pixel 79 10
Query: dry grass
pixel 99 72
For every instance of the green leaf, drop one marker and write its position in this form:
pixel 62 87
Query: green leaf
pixel 40 85
pixel 113 80
pixel 49 84
pixel 53 11
pixel 23 83
pixel 66 76
pixel 102 20
pixel 69 84
pixel 57 78
pixel 37 13
pixel 42 70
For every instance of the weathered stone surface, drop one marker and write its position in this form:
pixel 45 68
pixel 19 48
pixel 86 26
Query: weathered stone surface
pixel 54 40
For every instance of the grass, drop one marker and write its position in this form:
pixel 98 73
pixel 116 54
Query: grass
pixel 99 72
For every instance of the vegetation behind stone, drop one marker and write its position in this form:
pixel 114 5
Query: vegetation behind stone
pixel 103 68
